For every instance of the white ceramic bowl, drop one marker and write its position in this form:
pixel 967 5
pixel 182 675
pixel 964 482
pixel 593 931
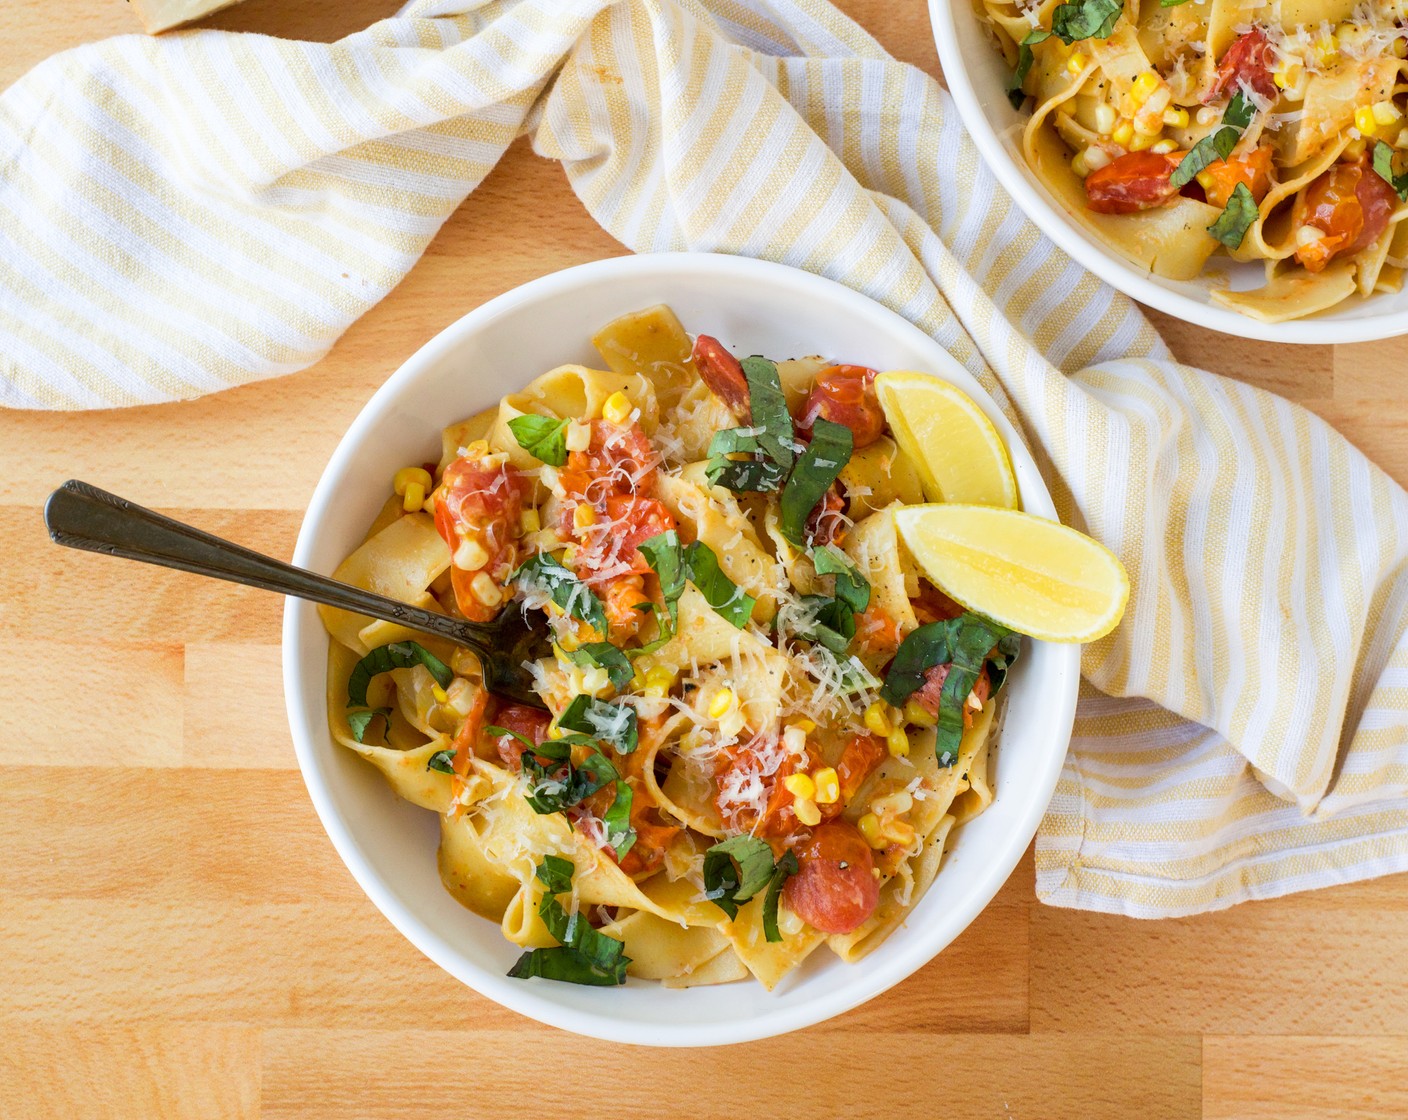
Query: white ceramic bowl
pixel 389 844
pixel 977 76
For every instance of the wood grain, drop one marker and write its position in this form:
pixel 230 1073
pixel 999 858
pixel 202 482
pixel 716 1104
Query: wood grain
pixel 178 938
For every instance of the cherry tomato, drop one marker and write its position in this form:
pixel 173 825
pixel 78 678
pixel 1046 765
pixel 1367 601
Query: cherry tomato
pixel 846 395
pixel 480 502
pixel 722 372
pixel 618 460
pixel 826 523
pixel 468 734
pixel 835 889
pixel 654 834
pixel 858 761
pixel 877 632
pixel 777 818
pixel 1245 64
pixel 929 694
pixel 933 605
pixel 1133 182
pixel 1350 204
pixel 531 723
pixel 1220 179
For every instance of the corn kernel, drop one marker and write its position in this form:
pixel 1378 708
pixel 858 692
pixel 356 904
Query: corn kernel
pixel 1076 63
pixel 583 517
pixel 877 718
pixel 1163 147
pixel 869 826
pixel 1402 141
pixel 892 805
pixel 529 521
pixel 407 476
pixel 617 408
pixel 800 785
pixel 1079 166
pixel 1385 112
pixel 805 726
pixel 1146 84
pixel 1096 157
pixel 1143 126
pixel 898 742
pixel 1176 118
pixel 1327 50
pixel 1355 149
pixel 721 704
pixel 1123 133
pixel 899 832
pixel 476 450
pixel 414 497
pixel 1399 48
pixel 486 590
pixel 659 680
pixel 555 732
pixel 1208 115
pixel 1140 142
pixel 1308 235
pixel 1105 119
pixel 828 786
pixel 441 696
pixel 915 713
pixel 470 556
pixel 807 812
pixel 1364 120
pixel 578 437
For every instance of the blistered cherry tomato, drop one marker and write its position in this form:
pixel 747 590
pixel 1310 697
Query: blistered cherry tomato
pixel 722 372
pixel 1133 182
pixel 618 460
pixel 480 502
pixel 835 889
pixel 862 754
pixel 531 723
pixel 1220 179
pixel 1245 64
pixel 846 395
pixel 1350 205
pixel 826 523
pixel 929 694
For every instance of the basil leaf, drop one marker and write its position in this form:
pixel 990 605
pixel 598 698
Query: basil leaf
pixel 545 574
pixel 1008 646
pixel 769 410
pixel 603 655
pixel 612 723
pixel 1234 221
pixel 1383 166
pixel 1015 94
pixel 828 621
pixel 786 868
pixel 442 761
pixel 735 870
pixel 662 552
pixel 617 818
pixel 585 955
pixel 744 476
pixel 852 588
pixel 728 599
pixel 1085 19
pixel 961 643
pixel 396 655
pixel 542 437
pixel 817 468
pixel 1216 145
pixel 359 721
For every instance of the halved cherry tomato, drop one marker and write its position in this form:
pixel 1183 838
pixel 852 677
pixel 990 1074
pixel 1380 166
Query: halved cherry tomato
pixel 618 460
pixel 1132 182
pixel 846 395
pixel 1245 64
pixel 468 734
pixel 1350 204
pixel 877 632
pixel 480 501
pixel 1220 179
pixel 858 761
pixel 928 695
pixel 778 818
pixel 531 723
pixel 826 523
pixel 722 372
pixel 835 889
pixel 933 605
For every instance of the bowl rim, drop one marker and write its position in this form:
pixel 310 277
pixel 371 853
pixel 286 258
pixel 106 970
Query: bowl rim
pixel 308 720
pixel 1109 267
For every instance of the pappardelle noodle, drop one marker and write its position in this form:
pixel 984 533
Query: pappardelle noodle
pixel 1174 130
pixel 762 722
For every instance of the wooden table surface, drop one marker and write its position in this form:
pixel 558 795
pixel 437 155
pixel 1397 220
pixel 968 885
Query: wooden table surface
pixel 178 938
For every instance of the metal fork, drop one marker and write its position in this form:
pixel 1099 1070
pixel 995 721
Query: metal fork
pixel 80 515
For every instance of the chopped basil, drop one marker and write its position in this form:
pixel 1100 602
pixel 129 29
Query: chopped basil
pixel 961 643
pixel 442 761
pixel 770 439
pixel 1383 166
pixel 396 655
pixel 697 563
pixel 769 411
pixel 617 819
pixel 1070 22
pixel 603 655
pixel 359 721
pixel 559 784
pixel 735 870
pixel 817 468
pixel 545 574
pixel 542 437
pixel 852 588
pixel 744 476
pixel 785 869
pixel 1234 221
pixel 1216 145
pixel 612 723
pixel 585 955
pixel 827 621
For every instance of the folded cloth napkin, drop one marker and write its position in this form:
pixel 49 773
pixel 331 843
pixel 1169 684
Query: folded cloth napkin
pixel 184 214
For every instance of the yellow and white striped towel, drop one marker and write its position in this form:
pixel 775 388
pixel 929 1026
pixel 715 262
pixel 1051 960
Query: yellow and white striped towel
pixel 185 214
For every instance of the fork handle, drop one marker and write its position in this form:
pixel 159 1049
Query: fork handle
pixel 80 515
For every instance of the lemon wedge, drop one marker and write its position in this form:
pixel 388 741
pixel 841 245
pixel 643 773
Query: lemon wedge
pixel 957 451
pixel 1034 576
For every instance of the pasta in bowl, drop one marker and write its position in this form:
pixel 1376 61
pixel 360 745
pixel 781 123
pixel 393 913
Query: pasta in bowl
pixel 631 816
pixel 1238 164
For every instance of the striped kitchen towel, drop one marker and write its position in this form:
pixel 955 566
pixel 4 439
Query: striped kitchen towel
pixel 184 214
